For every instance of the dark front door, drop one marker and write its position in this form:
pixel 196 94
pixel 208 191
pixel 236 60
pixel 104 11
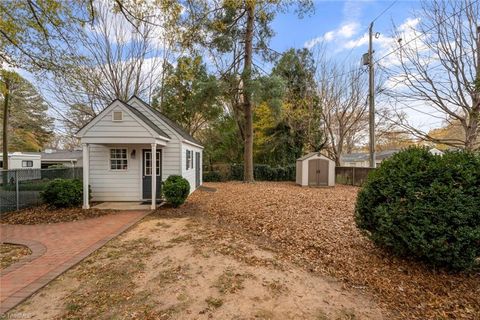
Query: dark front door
pixel 197 169
pixel 147 173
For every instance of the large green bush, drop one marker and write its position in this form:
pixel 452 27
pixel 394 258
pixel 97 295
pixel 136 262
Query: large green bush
pixel 425 206
pixel 176 190
pixel 63 193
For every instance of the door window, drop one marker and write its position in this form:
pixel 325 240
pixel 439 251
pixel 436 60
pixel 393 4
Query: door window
pixel 147 167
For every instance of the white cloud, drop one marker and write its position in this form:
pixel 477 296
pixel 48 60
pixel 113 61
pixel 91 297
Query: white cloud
pixel 345 31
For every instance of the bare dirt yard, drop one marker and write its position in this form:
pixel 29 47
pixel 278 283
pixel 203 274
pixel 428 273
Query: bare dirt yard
pixel 252 251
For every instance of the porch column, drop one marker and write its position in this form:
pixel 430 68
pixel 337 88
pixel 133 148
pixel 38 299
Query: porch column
pixel 154 176
pixel 86 174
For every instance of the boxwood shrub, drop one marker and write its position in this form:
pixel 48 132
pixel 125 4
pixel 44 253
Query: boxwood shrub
pixel 63 193
pixel 176 190
pixel 424 206
pixel 212 176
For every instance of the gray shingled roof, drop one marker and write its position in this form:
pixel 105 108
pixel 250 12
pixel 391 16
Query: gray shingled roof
pixel 175 126
pixel 62 155
pixel 146 120
pixel 363 156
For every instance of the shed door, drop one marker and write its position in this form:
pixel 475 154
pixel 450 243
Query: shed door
pixel 318 172
pixel 147 173
pixel 197 169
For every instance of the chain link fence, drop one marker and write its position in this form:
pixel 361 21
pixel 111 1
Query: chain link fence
pixel 21 188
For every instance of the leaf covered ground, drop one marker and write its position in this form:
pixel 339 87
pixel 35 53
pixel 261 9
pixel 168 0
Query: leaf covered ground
pixel 314 227
pixel 11 253
pixel 44 214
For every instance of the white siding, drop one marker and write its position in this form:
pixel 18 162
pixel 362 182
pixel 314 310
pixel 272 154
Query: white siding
pixel 172 152
pixel 129 127
pixel 190 173
pixel 110 185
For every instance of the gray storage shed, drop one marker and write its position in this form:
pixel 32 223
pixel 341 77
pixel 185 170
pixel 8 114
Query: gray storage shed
pixel 315 170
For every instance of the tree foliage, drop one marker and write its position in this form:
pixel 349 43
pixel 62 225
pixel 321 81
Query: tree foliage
pixel 189 95
pixel 29 127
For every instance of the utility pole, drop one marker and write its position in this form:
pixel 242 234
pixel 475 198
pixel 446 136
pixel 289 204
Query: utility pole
pixel 371 97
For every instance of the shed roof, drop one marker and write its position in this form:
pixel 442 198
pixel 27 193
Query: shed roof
pixel 311 154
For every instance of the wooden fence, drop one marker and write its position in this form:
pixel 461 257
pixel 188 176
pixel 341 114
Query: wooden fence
pixel 354 176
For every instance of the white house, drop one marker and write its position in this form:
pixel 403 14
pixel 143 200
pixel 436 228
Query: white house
pixel 19 160
pixel 128 141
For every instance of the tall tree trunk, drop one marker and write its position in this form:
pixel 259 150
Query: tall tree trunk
pixel 5 124
pixel 247 105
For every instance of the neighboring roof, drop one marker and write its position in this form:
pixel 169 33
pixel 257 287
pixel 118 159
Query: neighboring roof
pixel 175 126
pixel 354 157
pixel 57 155
pixel 363 156
pixel 17 154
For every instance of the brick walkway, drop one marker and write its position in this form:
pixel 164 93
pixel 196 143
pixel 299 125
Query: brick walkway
pixel 55 248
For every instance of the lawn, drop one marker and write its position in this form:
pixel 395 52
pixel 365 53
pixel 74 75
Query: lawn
pixel 263 250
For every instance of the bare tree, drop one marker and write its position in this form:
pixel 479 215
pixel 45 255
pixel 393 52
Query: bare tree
pixel 119 60
pixel 342 95
pixel 437 70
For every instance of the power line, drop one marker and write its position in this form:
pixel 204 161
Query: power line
pixel 429 29
pixel 385 10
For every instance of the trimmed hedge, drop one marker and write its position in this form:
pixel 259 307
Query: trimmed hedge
pixel 63 193
pixel 176 190
pixel 261 172
pixel 424 206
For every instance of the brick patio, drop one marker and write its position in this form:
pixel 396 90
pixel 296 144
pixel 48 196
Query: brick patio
pixel 55 248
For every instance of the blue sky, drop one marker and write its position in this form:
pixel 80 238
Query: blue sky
pixel 332 16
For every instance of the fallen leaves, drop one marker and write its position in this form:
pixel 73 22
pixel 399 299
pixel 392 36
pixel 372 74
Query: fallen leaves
pixel 11 253
pixel 315 228
pixel 44 214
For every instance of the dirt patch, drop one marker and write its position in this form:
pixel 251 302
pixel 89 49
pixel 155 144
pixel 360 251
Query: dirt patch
pixel 314 227
pixel 210 273
pixel 45 214
pixel 11 253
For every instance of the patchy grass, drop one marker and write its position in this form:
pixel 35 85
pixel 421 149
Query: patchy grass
pixel 11 253
pixel 107 282
pixel 214 302
pixel 231 281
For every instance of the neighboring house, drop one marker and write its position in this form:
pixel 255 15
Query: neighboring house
pixel 128 141
pixel 361 159
pixel 20 160
pixel 21 163
pixel 65 158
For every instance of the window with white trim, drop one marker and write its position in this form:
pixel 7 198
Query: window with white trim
pixel 189 159
pixel 118 159
pixel 27 163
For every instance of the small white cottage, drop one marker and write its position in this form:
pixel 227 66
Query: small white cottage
pixel 127 142
pixel 315 170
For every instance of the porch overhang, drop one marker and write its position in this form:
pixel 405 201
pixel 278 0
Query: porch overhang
pixel 162 142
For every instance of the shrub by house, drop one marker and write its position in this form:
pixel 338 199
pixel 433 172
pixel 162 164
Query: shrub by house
pixel 63 193
pixel 176 190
